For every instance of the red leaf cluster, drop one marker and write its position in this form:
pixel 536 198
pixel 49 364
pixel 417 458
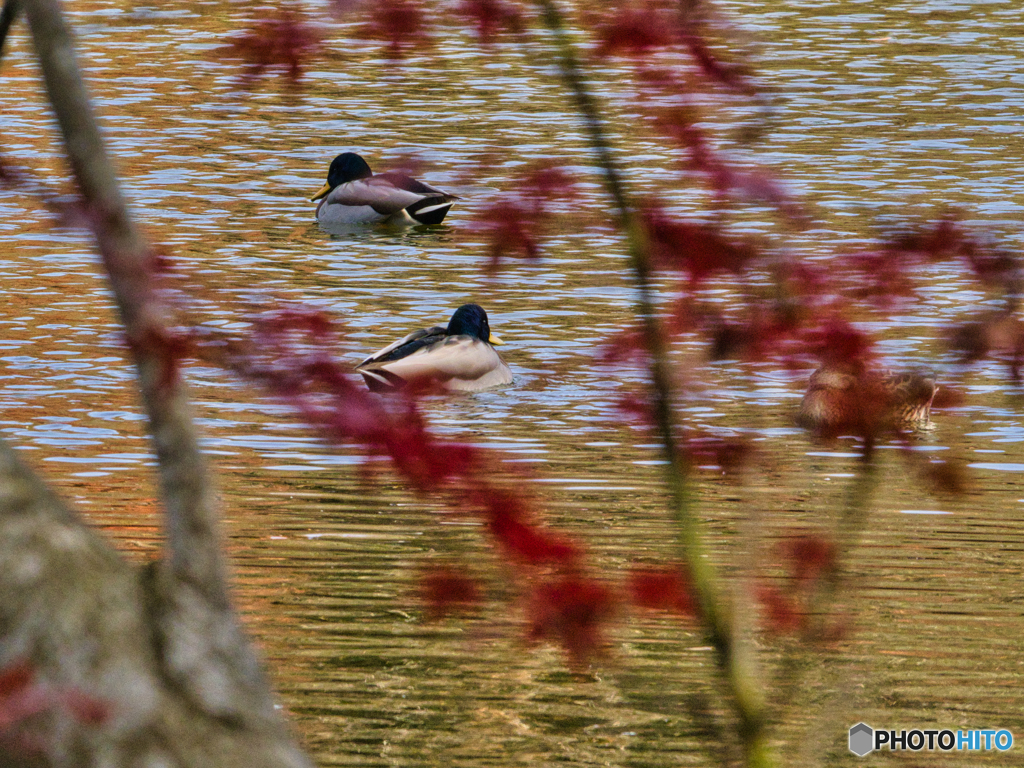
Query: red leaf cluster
pixel 302 320
pixel 664 589
pixel 836 341
pixel 283 41
pixel 529 542
pixel 729 75
pixel 699 250
pixel 674 114
pixel 491 16
pixel 69 211
pixel 809 559
pixel 946 239
pixel 19 698
pixel 512 223
pixel 942 239
pixel 750 184
pixel 546 184
pixel 640 32
pixel 627 345
pixel 401 23
pixel 445 590
pixel 771 329
pixel 570 611
pixel 510 228
pixel 508 519
pixel 679 123
pixel 995 267
pixel 637 406
pixel 634 32
pixel 781 613
pixel 881 275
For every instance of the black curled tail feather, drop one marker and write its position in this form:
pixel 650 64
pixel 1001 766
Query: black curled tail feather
pixel 431 210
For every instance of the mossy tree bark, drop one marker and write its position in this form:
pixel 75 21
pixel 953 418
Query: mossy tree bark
pixel 161 645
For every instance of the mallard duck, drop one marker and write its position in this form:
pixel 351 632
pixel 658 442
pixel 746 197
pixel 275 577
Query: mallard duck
pixel 849 398
pixel 353 195
pixel 459 357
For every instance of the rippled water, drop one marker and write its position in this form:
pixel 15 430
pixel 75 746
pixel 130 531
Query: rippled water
pixel 876 113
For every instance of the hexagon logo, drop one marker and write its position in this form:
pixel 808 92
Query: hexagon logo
pixel 862 739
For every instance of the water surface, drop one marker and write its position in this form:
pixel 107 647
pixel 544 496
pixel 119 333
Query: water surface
pixel 876 114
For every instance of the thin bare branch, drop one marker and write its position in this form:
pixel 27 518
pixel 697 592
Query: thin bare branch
pixel 734 659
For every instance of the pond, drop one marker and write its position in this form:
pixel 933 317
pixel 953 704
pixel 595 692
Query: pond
pixel 873 114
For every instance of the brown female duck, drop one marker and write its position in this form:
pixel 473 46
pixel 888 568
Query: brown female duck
pixel 849 398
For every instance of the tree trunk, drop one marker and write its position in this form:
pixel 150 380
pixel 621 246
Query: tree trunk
pixel 160 647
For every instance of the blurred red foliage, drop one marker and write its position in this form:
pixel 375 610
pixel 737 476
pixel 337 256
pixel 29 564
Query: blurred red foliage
pixel 699 250
pixel 635 32
pixel 834 340
pixel 68 210
pixel 809 560
pixel 810 557
pixel 401 23
pixel 997 334
pixel 285 41
pixel 509 226
pixel 781 613
pixel 525 540
pixel 445 590
pixel 491 16
pixel 936 241
pixel 667 589
pixel 571 611
pixel 732 76
pixel 882 276
pixel 514 222
pixel 637 406
pixel 625 346
pixel 172 346
pixel 766 331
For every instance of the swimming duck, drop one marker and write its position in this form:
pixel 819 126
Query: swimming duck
pixel 460 357
pixel 848 398
pixel 353 195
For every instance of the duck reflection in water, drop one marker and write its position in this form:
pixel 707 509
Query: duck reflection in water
pixel 848 398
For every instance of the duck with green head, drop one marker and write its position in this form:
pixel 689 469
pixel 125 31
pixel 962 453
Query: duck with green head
pixel 459 357
pixel 354 195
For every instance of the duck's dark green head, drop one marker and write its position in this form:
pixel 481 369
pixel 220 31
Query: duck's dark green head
pixel 346 167
pixel 471 320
